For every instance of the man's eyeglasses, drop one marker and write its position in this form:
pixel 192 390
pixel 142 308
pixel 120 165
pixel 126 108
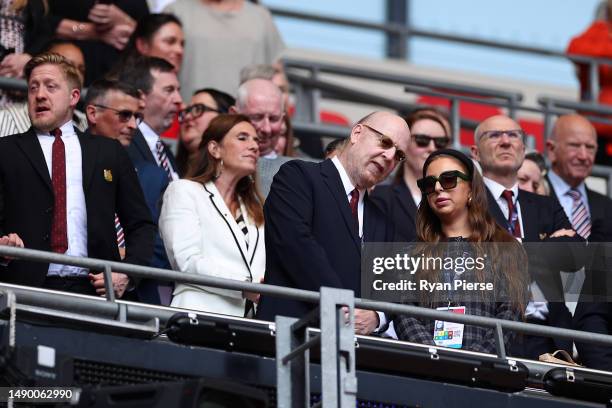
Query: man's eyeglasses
pixel 124 115
pixel 260 117
pixel 448 180
pixel 387 143
pixel 196 110
pixel 495 135
pixel 422 140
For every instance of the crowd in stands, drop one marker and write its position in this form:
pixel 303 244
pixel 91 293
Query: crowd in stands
pixel 91 176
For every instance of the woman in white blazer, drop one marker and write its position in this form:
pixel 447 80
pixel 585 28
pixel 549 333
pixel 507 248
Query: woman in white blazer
pixel 212 222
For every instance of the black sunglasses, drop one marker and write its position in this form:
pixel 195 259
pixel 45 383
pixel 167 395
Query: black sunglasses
pixel 448 180
pixel 387 143
pixel 124 114
pixel 196 110
pixel 422 140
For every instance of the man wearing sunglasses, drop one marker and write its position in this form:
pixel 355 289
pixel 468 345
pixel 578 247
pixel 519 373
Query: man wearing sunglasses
pixel 318 215
pixel 114 111
pixel 262 102
pixel 499 148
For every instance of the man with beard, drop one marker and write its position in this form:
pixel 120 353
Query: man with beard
pixel 60 189
pixel 319 214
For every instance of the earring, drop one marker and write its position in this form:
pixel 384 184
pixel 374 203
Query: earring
pixel 219 169
pixel 469 201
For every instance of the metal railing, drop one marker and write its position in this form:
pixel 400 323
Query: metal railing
pixel 407 31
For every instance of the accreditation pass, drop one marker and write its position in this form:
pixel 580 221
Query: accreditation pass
pixel 40 395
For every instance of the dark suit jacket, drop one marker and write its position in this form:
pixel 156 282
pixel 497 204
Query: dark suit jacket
pixel 397 203
pixel 311 237
pixel 593 316
pixel 541 217
pixel 26 203
pixel 153 180
pixel 139 151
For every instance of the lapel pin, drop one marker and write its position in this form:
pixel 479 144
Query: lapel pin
pixel 543 235
pixel 108 175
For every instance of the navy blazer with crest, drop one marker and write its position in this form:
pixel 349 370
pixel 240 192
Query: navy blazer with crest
pixel 311 237
pixel 110 186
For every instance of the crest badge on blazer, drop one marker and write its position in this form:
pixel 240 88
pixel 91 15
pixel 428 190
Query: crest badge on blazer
pixel 108 175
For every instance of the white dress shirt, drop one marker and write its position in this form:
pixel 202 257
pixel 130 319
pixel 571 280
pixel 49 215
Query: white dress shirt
pixel 151 138
pixel 76 209
pixel 348 188
pixel 535 309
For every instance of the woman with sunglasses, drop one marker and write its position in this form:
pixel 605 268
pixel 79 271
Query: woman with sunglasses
pixel 454 213
pixel 211 222
pixel 430 130
pixel 206 104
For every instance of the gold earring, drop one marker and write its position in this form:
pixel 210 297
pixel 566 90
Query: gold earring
pixel 219 169
pixel 469 201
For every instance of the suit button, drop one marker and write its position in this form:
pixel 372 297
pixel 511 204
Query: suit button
pixel 46 237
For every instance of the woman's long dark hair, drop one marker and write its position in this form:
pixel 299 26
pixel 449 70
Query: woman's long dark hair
pixel 508 261
pixel 207 167
pixel 224 101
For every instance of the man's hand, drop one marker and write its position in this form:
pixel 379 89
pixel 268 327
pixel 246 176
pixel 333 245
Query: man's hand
pixel 120 283
pixel 252 296
pixel 563 233
pixel 10 240
pixel 366 321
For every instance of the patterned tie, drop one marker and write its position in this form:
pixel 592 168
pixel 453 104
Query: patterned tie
pixel 513 221
pixel 59 225
pixel 243 227
pixel 580 216
pixel 119 231
pixel 353 204
pixel 163 158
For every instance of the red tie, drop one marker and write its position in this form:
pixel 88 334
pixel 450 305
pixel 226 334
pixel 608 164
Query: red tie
pixel 513 221
pixel 353 204
pixel 59 228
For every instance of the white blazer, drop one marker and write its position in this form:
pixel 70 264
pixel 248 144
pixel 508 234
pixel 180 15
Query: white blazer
pixel 201 236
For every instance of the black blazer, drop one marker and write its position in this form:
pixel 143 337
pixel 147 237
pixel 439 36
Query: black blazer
pixel 541 217
pixel 396 202
pixel 139 151
pixel 26 202
pixel 311 237
pixel 592 316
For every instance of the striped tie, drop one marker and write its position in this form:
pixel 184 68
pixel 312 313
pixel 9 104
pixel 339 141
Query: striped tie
pixel 580 217
pixel 163 158
pixel 119 230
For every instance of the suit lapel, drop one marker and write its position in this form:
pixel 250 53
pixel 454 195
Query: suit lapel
pixel 28 142
pixel 496 212
pixel 141 145
pixel 405 199
pixel 334 184
pixel 529 215
pixel 89 152
pixel 219 204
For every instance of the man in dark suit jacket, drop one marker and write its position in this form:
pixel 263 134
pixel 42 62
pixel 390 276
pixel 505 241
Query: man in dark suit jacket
pixel 571 150
pixel 60 189
pixel 114 111
pixel 500 150
pixel 314 232
pixel 156 79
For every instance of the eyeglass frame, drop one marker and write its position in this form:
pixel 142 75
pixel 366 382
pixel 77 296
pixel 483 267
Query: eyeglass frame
pixel 456 174
pixel 138 116
pixel 190 108
pixel 399 155
pixel 487 134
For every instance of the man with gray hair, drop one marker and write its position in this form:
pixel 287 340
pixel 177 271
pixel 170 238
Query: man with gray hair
pixel 262 102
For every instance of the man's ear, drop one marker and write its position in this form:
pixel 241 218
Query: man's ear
pixel 75 95
pixel 475 152
pixel 233 110
pixel 356 133
pixel 550 150
pixel 142 46
pixel 90 112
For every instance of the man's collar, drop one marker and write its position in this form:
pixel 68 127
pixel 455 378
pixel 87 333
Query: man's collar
pixel 67 130
pixel 344 177
pixel 561 187
pixel 147 132
pixel 270 156
pixel 497 189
